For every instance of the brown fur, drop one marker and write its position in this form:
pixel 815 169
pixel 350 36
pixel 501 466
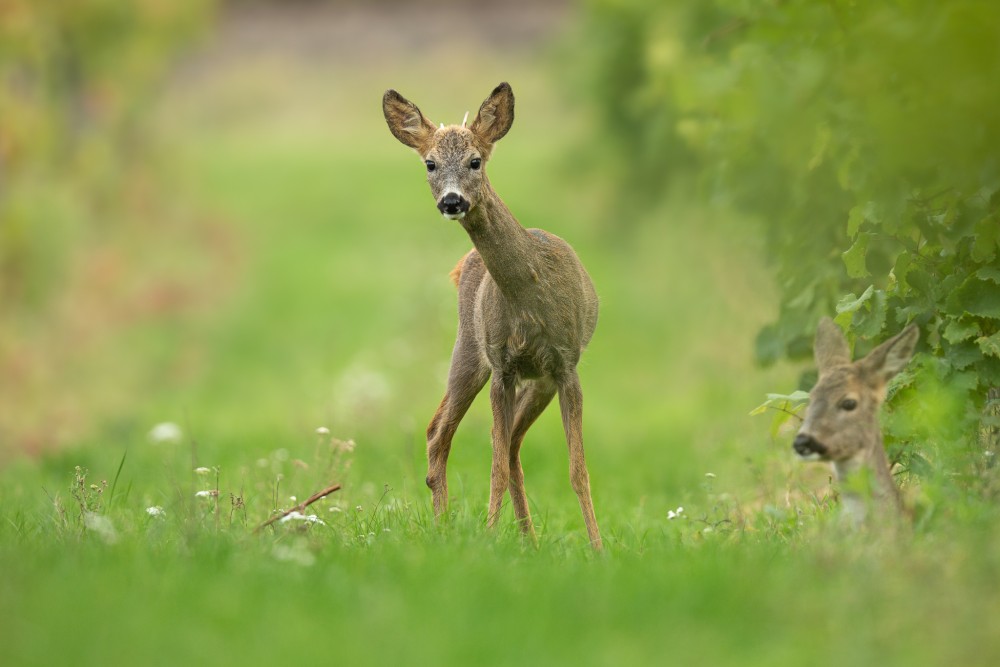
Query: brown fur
pixel 841 423
pixel 456 273
pixel 526 311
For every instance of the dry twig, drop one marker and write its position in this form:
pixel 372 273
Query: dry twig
pixel 301 506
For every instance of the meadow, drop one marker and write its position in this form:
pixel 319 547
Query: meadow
pixel 297 324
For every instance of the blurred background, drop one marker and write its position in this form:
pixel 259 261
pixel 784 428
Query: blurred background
pixel 204 221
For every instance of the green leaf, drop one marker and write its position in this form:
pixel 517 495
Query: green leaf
pixel 990 345
pixel 783 402
pixel 854 257
pixel 987 239
pixel 957 331
pixel 966 381
pixel 975 297
pixel 850 302
pixel 989 273
pixel 963 355
pixel 769 345
pixel 854 220
pixel 902 267
pixel 868 322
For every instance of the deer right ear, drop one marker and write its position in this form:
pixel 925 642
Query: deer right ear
pixel 831 347
pixel 495 116
pixel 406 122
pixel 892 356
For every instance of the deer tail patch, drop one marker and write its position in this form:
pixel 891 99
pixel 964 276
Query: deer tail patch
pixel 456 273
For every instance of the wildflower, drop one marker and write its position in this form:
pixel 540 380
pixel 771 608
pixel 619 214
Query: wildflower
pixel 293 499
pixel 208 493
pixel 710 475
pixel 298 516
pixel 675 514
pixel 101 525
pixel 156 510
pixel 296 553
pixel 322 430
pixel 165 433
pixel 202 470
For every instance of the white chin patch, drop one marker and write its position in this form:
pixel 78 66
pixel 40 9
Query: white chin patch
pixel 454 216
pixel 812 456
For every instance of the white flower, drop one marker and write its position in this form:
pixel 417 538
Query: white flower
pixel 155 511
pixel 293 499
pixel 675 514
pixel 202 470
pixel 710 475
pixel 322 430
pixel 101 525
pixel 298 516
pixel 166 433
pixel 297 553
pixel 207 493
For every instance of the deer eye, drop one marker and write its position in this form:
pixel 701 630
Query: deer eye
pixel 430 165
pixel 848 404
pixel 476 163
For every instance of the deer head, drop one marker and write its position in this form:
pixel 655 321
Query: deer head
pixel 455 155
pixel 841 422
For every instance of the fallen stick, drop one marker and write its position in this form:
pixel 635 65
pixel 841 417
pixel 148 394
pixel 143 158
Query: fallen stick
pixel 301 506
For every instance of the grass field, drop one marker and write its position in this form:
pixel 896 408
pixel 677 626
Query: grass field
pixel 309 273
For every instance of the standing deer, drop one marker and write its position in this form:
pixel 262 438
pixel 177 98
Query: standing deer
pixel 526 309
pixel 841 422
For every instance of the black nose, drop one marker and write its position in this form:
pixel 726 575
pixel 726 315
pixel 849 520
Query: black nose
pixel 805 445
pixel 453 204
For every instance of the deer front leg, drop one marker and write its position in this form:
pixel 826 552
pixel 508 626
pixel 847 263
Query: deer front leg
pixel 502 394
pixel 465 379
pixel 571 406
pixel 531 402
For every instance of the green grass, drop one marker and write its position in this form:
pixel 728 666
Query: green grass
pixel 327 303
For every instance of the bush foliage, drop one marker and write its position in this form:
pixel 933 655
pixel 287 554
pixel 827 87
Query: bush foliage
pixel 75 77
pixel 864 137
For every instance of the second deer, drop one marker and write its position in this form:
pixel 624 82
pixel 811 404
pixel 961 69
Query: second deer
pixel 526 309
pixel 841 423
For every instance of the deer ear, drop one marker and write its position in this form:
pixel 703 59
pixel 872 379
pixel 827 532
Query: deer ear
pixel 406 122
pixel 495 116
pixel 831 346
pixel 890 357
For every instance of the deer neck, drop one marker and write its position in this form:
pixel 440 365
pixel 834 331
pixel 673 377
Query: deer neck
pixel 508 250
pixel 880 484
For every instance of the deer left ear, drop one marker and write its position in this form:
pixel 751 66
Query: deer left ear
pixel 830 348
pixel 406 122
pixel 893 355
pixel 495 116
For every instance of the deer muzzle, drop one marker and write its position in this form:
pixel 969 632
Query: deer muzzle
pixel 453 206
pixel 807 447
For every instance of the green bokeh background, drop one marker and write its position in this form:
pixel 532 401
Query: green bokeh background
pixel 205 221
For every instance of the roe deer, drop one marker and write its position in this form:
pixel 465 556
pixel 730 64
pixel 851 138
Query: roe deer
pixel 526 309
pixel 841 422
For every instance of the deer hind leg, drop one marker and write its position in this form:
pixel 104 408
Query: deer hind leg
pixel 571 406
pixel 466 378
pixel 531 402
pixel 502 394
